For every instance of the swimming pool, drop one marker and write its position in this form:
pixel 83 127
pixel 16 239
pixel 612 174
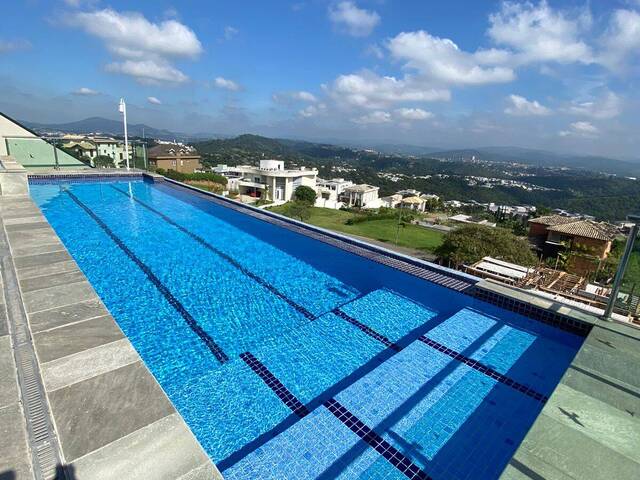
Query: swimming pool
pixel 290 358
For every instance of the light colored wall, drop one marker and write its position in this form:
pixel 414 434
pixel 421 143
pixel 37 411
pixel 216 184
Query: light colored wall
pixel 10 129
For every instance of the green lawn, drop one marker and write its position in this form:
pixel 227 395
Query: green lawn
pixel 411 236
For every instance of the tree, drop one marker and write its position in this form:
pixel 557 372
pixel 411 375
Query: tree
pixel 305 194
pixel 468 244
pixel 298 209
pixel 103 161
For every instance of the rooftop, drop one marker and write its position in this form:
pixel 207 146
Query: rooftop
pixel 587 229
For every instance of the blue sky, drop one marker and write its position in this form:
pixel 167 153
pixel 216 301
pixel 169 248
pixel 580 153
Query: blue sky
pixel 556 75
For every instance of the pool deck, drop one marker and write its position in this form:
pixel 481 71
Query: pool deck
pixel 107 417
pixel 110 419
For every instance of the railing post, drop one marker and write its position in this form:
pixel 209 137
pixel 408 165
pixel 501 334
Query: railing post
pixel 622 267
pixel 55 157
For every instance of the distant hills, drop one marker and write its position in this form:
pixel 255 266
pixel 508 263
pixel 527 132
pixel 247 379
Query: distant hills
pixel 107 127
pixel 259 145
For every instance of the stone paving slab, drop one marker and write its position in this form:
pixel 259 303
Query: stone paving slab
pixel 58 316
pixel 14 457
pixel 89 363
pixel 97 411
pixel 77 337
pixel 44 270
pixel 53 280
pixel 42 259
pixel 160 450
pixel 8 386
pixel 48 298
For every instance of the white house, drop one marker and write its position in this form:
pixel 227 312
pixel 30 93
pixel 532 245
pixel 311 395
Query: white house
pixel 269 181
pixel 92 146
pixel 330 191
pixel 362 196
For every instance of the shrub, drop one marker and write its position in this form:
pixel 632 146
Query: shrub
pixel 305 194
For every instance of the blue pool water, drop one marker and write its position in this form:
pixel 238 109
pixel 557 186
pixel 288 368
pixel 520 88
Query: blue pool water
pixel 290 358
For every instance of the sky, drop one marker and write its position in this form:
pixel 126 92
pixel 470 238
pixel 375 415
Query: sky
pixel 556 75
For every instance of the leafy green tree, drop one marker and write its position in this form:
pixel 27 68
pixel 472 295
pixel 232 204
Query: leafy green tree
pixel 298 209
pixel 468 244
pixel 103 161
pixel 305 194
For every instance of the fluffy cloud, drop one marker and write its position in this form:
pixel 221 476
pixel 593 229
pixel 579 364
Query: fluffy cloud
pixel 413 114
pixel 621 39
pixel 353 20
pixel 368 90
pixel 440 60
pixel 313 110
pixel 376 117
pixel 226 84
pixel 154 101
pixel 148 71
pixel 290 97
pixel 581 129
pixel 85 91
pixel 538 33
pixel 520 106
pixel 608 105
pixel 143 47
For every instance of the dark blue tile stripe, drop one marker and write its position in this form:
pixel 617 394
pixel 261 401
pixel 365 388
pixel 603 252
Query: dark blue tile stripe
pixel 488 371
pixel 379 444
pixel 366 329
pixel 224 256
pixel 173 301
pixel 283 393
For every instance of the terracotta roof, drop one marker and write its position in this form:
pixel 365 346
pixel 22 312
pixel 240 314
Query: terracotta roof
pixel 413 200
pixel 587 229
pixel 550 220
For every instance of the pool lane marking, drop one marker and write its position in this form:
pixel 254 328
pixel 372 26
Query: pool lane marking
pixel 475 364
pixel 484 369
pixel 366 434
pixel 375 441
pixel 224 256
pixel 283 393
pixel 173 301
pixel 366 329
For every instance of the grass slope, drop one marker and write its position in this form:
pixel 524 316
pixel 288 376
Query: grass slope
pixel 411 236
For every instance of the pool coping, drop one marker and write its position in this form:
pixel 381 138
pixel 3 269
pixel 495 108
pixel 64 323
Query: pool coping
pixel 598 389
pixel 107 416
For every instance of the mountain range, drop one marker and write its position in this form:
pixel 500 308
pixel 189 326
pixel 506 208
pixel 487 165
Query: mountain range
pixel 264 145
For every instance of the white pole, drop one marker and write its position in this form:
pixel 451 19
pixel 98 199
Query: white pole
pixel 123 110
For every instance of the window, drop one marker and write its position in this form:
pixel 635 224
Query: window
pixel 173 163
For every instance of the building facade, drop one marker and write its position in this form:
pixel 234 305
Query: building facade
pixel 361 196
pixel 270 180
pixel 174 156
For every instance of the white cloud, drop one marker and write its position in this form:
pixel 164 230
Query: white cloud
pixel 581 129
pixel 440 60
pixel 148 71
pixel 368 90
pixel 85 91
pixel 538 33
pixel 154 101
pixel 230 32
pixel 621 39
pixel 353 20
pixel 226 84
pixel 145 47
pixel 413 114
pixel 608 105
pixel 520 106
pixel 7 46
pixel 376 117
pixel 313 110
